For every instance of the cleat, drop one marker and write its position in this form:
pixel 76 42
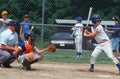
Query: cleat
pixel 6 66
pixel 91 69
pixel 78 55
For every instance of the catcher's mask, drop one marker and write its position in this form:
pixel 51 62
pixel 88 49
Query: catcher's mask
pixel 27 35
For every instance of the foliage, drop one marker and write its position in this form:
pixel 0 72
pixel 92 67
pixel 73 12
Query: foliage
pixel 60 9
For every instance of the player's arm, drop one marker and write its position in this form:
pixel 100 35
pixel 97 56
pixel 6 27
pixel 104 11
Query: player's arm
pixel 31 28
pixel 90 34
pixel 40 51
pixel 20 31
pixel 110 31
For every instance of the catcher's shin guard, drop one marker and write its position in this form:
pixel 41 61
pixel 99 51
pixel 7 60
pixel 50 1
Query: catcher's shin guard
pixel 26 64
pixel 34 61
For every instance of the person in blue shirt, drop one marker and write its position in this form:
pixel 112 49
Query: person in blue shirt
pixel 25 27
pixel 115 35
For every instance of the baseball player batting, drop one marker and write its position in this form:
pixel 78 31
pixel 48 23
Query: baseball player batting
pixel 104 43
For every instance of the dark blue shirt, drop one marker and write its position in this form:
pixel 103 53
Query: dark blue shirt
pixel 117 31
pixel 22 45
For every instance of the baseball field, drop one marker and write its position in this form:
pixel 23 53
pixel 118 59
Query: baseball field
pixel 63 65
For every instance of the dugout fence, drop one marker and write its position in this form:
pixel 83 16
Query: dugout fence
pixel 44 12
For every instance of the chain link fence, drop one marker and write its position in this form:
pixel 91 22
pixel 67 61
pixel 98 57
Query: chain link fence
pixel 44 12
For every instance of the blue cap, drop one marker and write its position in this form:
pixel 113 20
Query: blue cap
pixel 79 18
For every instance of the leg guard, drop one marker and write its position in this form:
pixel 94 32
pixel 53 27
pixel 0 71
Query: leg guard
pixel 26 64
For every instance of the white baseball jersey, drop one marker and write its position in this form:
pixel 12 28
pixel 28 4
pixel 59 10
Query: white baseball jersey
pixel 101 36
pixel 3 24
pixel 77 29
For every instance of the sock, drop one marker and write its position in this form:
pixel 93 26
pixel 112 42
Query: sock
pixel 118 65
pixel 78 53
pixel 92 66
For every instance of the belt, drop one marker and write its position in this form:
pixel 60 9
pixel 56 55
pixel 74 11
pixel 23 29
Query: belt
pixel 105 40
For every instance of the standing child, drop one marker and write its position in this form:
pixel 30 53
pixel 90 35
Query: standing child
pixel 77 33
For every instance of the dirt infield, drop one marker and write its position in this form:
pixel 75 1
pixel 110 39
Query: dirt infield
pixel 55 70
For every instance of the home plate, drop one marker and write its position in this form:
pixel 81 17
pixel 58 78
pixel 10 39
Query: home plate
pixel 104 76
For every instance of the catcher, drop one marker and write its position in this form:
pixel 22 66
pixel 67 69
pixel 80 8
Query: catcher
pixel 25 55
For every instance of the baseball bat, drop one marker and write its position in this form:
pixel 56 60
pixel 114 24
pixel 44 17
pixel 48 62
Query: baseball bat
pixel 89 14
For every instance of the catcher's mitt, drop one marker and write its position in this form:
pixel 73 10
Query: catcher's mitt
pixel 51 48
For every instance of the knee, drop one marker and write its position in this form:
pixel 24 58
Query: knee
pixel 6 56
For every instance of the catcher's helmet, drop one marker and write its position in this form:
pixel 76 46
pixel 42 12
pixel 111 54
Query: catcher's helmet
pixel 13 23
pixel 116 18
pixel 79 18
pixel 96 17
pixel 29 34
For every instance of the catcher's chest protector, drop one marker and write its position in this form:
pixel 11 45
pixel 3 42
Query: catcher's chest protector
pixel 28 48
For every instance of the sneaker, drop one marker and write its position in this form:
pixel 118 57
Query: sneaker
pixel 91 69
pixel 24 67
pixel 6 66
pixel 78 55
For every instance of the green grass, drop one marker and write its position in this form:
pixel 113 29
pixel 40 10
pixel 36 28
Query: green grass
pixel 68 56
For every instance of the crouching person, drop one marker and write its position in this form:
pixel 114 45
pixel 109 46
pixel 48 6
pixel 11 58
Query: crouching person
pixel 8 44
pixel 25 54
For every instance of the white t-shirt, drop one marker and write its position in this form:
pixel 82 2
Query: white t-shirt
pixel 3 24
pixel 8 38
pixel 78 28
pixel 101 36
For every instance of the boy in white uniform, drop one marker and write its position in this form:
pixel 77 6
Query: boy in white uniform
pixel 77 33
pixel 103 41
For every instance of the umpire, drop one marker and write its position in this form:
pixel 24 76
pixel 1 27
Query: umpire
pixel 8 44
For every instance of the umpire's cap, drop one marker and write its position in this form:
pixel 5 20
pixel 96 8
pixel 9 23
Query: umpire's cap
pixel 96 17
pixel 4 12
pixel 116 18
pixel 13 23
pixel 79 18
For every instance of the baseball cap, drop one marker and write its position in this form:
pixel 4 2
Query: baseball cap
pixel 78 18
pixel 4 12
pixel 116 18
pixel 26 16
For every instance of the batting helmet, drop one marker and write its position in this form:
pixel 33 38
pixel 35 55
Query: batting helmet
pixel 116 18
pixel 13 23
pixel 79 18
pixel 96 17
